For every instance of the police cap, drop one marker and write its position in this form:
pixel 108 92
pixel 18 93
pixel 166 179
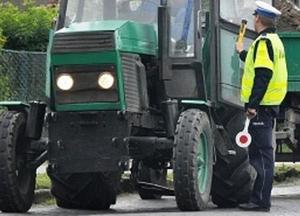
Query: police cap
pixel 266 10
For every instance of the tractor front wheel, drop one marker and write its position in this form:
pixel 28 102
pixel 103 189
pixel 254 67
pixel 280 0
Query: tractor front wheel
pixel 193 160
pixel 90 191
pixel 17 180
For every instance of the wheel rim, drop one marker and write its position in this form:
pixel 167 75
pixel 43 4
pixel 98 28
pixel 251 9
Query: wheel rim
pixel 202 163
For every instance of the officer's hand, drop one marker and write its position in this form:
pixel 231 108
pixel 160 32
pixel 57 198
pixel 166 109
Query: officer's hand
pixel 239 47
pixel 251 113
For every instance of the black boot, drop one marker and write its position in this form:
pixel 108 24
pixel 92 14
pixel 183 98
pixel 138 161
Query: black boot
pixel 253 207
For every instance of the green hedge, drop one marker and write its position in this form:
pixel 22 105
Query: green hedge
pixel 26 28
pixel 5 90
pixel 2 39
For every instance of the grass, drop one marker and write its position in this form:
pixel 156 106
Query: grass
pixel 44 200
pixel 286 173
pixel 49 201
pixel 280 167
pixel 42 182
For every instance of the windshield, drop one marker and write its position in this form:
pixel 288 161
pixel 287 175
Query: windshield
pixel 144 11
pixel 236 10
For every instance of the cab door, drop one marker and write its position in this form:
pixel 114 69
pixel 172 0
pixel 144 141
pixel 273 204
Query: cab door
pixel 229 67
pixel 182 69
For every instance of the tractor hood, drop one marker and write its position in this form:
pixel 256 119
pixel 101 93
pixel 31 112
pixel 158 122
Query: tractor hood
pixel 93 26
pixel 125 36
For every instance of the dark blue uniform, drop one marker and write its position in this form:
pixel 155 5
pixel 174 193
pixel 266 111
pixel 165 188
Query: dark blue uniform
pixel 261 155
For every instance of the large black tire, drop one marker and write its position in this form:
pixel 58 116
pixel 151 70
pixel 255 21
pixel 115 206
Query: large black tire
pixel 147 174
pixel 193 160
pixel 233 177
pixel 17 180
pixel 89 191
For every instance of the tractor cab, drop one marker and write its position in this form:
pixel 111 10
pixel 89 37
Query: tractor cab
pixel 183 15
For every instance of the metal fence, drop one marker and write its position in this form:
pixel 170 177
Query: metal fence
pixel 22 75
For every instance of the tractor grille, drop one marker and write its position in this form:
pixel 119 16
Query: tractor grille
pixel 83 42
pixel 131 82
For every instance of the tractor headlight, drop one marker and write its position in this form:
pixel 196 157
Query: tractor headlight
pixel 106 80
pixel 65 82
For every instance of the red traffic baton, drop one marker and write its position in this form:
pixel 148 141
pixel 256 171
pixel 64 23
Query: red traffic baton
pixel 243 139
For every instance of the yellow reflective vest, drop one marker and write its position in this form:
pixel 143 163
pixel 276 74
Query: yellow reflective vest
pixel 277 87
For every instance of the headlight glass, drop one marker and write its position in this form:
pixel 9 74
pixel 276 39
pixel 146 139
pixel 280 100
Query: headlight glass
pixel 65 82
pixel 106 80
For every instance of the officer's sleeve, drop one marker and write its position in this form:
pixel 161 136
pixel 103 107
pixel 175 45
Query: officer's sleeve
pixel 260 86
pixel 243 55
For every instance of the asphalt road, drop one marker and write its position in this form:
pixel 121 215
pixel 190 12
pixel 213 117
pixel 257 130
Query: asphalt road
pixel 286 205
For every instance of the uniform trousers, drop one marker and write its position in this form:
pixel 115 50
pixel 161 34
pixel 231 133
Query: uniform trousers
pixel 261 156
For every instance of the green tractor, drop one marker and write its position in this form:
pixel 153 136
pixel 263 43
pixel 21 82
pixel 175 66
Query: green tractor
pixel 140 85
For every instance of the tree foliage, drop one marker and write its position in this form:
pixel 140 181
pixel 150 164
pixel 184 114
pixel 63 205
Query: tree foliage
pixel 2 39
pixel 5 89
pixel 4 86
pixel 26 28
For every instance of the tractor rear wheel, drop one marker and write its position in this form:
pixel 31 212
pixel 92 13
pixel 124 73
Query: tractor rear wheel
pixel 90 191
pixel 193 160
pixel 234 187
pixel 17 180
pixel 233 177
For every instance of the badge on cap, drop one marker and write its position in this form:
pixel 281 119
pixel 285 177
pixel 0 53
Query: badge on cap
pixel 266 10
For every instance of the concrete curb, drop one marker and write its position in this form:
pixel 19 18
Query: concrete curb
pixel 286 191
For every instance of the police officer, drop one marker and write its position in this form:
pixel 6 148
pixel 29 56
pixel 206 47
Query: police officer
pixel 264 86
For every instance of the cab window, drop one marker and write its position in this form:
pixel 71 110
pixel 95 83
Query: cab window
pixel 182 28
pixel 235 10
pixel 143 11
